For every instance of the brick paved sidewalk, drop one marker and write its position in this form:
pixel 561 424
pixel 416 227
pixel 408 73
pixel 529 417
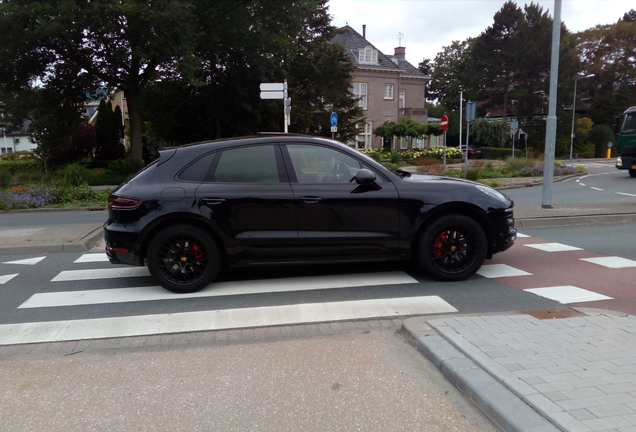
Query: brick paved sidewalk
pixel 580 373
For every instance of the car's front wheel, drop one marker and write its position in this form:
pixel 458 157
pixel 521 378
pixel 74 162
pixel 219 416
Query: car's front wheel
pixel 183 258
pixel 452 248
pixel 632 172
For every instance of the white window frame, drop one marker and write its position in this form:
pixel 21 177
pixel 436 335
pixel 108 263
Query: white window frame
pixel 433 141
pixel 418 143
pixel 363 139
pixel 360 92
pixel 404 143
pixel 368 55
pixel 388 91
pixel 402 102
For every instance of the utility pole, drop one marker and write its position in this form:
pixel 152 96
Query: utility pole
pixel 550 133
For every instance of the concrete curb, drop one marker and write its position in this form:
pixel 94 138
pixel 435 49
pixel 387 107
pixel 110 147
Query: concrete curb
pixel 86 243
pixel 497 402
pixel 559 221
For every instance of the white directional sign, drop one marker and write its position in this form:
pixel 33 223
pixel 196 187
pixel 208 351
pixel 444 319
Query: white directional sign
pixel 272 86
pixel 273 95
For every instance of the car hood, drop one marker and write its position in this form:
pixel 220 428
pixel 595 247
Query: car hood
pixel 420 178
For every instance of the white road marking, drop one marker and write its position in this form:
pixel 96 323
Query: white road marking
pixel 23 333
pixel 111 273
pixel 611 262
pixel 568 294
pixel 522 235
pixel 6 278
pixel 598 189
pixel 28 261
pixel 553 247
pixel 492 271
pixel 627 194
pixel 92 257
pixel 215 289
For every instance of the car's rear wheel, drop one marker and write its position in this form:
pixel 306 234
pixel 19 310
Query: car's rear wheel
pixel 452 248
pixel 183 258
pixel 632 172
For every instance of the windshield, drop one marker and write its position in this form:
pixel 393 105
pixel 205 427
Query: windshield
pixel 629 124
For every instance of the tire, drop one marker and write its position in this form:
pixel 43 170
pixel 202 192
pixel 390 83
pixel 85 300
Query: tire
pixel 452 248
pixel 632 172
pixel 183 258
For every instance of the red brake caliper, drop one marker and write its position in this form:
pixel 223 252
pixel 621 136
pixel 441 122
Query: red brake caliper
pixel 438 243
pixel 194 249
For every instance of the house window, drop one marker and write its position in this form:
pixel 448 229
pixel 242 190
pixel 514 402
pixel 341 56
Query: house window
pixel 404 144
pixel 388 91
pixel 363 140
pixel 418 143
pixel 368 56
pixel 434 141
pixel 402 102
pixel 360 93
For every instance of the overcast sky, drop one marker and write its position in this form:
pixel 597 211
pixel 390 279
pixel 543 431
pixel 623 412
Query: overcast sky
pixel 429 25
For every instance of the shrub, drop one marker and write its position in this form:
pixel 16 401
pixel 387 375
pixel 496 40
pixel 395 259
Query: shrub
pixel 126 166
pixel 75 175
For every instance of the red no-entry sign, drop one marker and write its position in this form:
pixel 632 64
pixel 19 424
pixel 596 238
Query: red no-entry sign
pixel 444 123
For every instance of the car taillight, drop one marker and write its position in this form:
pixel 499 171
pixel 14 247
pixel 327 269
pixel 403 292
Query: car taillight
pixel 117 202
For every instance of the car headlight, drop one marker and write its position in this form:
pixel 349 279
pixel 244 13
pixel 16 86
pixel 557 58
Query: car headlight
pixel 493 193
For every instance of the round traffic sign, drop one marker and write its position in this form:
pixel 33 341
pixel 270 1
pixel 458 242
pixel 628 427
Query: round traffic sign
pixel 334 119
pixel 444 123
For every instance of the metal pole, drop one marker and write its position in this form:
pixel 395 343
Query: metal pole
pixel 461 103
pixel 550 133
pixel 574 112
pixel 444 151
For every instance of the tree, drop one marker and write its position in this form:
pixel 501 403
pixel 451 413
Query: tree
pixel 406 127
pixel 607 51
pixel 108 133
pixel 79 45
pixel 489 133
pixel 278 40
pixel 600 136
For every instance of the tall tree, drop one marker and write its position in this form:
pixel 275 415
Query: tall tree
pixel 278 40
pixel 84 44
pixel 607 51
pixel 108 133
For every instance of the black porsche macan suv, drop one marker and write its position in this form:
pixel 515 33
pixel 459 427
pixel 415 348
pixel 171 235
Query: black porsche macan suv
pixel 279 199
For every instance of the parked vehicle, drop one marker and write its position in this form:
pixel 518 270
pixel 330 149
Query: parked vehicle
pixel 282 199
pixel 473 151
pixel 625 128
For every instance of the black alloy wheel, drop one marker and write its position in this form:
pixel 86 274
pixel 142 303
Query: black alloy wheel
pixel 183 258
pixel 453 248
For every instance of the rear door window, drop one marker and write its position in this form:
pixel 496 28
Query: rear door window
pixel 253 164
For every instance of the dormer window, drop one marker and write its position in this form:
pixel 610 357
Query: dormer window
pixel 368 55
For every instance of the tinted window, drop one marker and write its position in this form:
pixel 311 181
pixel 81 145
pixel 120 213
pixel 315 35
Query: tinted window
pixel 196 171
pixel 315 164
pixel 256 164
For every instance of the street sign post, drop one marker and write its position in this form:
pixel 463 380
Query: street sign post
pixel 278 91
pixel 333 118
pixel 443 126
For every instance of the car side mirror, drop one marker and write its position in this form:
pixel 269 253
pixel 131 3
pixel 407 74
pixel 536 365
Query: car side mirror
pixel 365 176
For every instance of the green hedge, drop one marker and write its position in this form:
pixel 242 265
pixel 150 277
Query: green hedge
pixel 21 167
pixel 501 153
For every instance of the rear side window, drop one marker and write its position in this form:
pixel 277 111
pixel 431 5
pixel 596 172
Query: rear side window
pixel 196 171
pixel 256 164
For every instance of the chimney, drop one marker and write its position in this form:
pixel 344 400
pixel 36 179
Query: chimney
pixel 400 52
pixel 364 31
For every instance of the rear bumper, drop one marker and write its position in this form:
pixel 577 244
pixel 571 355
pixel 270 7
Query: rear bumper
pixel 121 247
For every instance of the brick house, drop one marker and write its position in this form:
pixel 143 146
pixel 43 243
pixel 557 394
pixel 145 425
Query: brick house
pixel 388 87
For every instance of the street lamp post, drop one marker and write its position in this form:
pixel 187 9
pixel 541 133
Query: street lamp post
pixel 574 112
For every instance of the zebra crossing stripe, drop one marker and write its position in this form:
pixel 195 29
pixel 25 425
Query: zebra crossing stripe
pixel 150 293
pixel 92 257
pixel 111 273
pixel 144 325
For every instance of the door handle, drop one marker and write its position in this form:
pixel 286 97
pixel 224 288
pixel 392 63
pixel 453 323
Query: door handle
pixel 310 199
pixel 212 201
